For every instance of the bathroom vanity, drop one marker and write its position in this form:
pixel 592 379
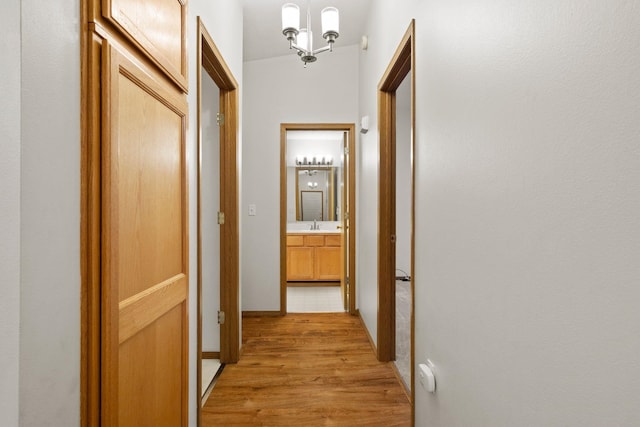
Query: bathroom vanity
pixel 314 255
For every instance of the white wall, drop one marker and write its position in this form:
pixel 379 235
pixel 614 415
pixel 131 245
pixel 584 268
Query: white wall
pixel 403 177
pixel 210 206
pixel 50 214
pixel 279 90
pixel 528 176
pixel 223 20
pixel 10 211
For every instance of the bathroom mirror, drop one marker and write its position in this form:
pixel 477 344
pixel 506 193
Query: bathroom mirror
pixel 314 175
pixel 316 198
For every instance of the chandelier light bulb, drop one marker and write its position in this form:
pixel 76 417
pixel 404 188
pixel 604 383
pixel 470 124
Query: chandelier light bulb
pixel 290 21
pixel 330 24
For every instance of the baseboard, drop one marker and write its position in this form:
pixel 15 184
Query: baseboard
pixel 261 314
pixel 211 355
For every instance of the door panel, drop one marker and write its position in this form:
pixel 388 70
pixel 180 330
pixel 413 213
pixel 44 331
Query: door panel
pixel 328 265
pixel 159 27
pixel 145 238
pixel 300 263
pixel 149 359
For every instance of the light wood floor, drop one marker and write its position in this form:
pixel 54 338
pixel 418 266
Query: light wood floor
pixel 307 370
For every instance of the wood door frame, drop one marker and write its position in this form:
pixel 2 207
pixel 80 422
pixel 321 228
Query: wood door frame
pixel 90 226
pixel 341 127
pixel 401 64
pixel 210 58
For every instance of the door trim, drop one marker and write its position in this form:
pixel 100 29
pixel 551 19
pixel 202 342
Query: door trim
pixel 210 58
pixel 90 229
pixel 402 62
pixel 344 127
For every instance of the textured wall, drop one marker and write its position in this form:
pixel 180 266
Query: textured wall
pixel 527 198
pixel 210 199
pixel 10 211
pixel 50 214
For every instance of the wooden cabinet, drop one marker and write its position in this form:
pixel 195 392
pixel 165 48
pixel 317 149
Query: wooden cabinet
pixel 135 216
pixel 314 257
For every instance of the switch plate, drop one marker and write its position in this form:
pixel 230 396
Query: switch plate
pixel 252 210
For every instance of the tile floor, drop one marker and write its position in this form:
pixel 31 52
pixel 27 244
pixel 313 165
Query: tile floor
pixel 314 299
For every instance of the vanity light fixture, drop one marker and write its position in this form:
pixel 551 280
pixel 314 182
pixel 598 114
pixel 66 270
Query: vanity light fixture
pixel 301 39
pixel 314 161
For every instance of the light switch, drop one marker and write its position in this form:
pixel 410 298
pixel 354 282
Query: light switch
pixel 252 210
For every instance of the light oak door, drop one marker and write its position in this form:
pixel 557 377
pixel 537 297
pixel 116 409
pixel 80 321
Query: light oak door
pixel 144 248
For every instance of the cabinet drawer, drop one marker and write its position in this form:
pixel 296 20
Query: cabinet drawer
pixel 314 240
pixel 333 240
pixel 295 240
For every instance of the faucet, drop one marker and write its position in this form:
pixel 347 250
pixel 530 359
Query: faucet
pixel 315 225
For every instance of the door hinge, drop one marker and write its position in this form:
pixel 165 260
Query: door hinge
pixel 346 216
pixel 220 218
pixel 346 151
pixel 221 317
pixel 220 119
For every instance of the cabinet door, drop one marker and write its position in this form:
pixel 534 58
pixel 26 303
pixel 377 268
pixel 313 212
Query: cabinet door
pixel 158 27
pixel 328 263
pixel 299 263
pixel 144 249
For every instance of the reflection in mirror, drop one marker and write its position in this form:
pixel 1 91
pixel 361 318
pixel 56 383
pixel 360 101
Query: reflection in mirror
pixel 311 205
pixel 322 182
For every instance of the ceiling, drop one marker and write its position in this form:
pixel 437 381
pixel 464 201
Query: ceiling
pixel 263 27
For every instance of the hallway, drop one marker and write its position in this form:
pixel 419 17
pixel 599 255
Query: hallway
pixel 307 369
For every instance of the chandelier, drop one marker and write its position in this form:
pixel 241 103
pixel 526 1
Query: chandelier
pixel 302 39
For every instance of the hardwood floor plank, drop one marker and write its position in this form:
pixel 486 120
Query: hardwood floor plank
pixel 307 370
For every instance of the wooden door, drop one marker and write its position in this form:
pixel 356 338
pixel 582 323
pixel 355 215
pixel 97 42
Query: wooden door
pixel 144 248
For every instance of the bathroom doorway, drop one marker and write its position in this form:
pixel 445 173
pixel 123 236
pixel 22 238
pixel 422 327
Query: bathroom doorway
pixel 317 198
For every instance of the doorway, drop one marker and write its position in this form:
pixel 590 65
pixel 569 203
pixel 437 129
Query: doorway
pixel 317 199
pixel 217 201
pixel 396 243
